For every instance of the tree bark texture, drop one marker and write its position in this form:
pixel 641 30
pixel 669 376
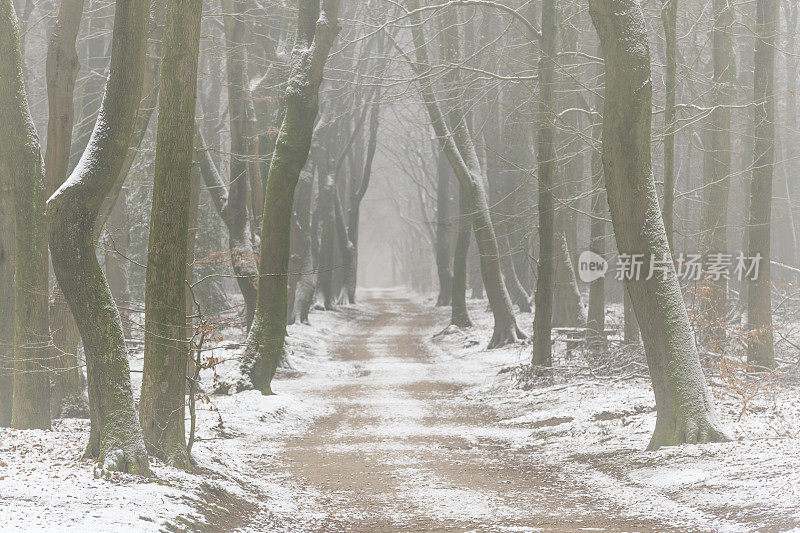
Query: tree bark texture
pixel 116 437
pixel 317 28
pixel 21 157
pixel 685 412
pixel 760 350
pixel 166 350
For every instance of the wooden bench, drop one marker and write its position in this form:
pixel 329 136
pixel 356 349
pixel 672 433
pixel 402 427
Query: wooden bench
pixel 576 337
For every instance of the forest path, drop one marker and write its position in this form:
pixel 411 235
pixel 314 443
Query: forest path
pixel 406 449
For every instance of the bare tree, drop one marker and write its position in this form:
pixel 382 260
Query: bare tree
pixel 317 27
pixel 116 437
pixel 21 157
pixel 761 350
pixel 161 410
pixel 685 411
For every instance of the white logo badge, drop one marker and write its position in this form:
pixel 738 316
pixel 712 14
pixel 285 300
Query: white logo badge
pixel 591 266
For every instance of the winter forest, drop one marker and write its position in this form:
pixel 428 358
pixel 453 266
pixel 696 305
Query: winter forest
pixel 399 265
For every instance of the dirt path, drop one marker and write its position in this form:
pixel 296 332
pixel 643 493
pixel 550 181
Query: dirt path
pixel 407 450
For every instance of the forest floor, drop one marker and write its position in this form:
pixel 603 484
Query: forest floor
pixel 384 422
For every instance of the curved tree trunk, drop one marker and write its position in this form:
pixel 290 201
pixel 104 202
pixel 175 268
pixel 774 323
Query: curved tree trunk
pixel 147 107
pixel 166 350
pixel 685 411
pixel 317 27
pixel 459 148
pixel 22 159
pixel 546 160
pixel 67 398
pixel 116 437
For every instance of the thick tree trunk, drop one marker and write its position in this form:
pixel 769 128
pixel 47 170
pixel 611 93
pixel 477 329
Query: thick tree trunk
pixel 546 155
pixel 116 437
pixel 760 350
pixel 685 412
pixel 630 326
pixel 21 158
pixel 317 27
pixel 166 349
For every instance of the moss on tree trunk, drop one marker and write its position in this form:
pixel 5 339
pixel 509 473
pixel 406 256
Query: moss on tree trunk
pixel 67 398
pixel 685 411
pixel 115 437
pixel 21 157
pixel 166 354
pixel 317 28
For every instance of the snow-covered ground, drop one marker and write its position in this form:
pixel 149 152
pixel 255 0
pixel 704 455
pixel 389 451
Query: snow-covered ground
pixel 383 422
pixel 45 485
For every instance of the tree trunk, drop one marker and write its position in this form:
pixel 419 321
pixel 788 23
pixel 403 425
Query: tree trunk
pixel 22 159
pixel 116 437
pixel 6 295
pixel 459 314
pixel 546 158
pixel 166 349
pixel 355 203
pixel 714 236
pixel 327 249
pixel 300 241
pixel 117 239
pixel 568 308
pixel 460 150
pixel 147 107
pixel 239 113
pixel 760 350
pixel 669 17
pixel 443 269
pixel 317 27
pixel 630 327
pixel 685 412
pixel 595 325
